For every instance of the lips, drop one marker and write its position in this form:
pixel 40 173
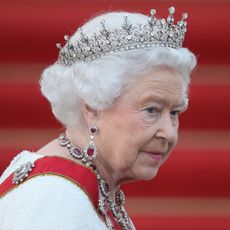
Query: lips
pixel 155 155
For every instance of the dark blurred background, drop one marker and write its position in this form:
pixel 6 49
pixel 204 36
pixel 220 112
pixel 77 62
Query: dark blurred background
pixel 192 189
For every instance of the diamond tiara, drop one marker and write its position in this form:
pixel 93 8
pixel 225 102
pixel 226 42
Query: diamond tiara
pixel 156 32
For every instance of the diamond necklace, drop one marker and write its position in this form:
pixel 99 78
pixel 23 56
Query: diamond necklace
pixel 105 202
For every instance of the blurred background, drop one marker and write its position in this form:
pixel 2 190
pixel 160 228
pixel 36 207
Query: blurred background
pixel 192 189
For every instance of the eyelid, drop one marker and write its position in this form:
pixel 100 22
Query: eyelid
pixel 177 111
pixel 155 107
pixel 152 105
pixel 181 108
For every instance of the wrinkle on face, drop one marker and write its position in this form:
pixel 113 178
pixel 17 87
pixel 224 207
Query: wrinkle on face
pixel 126 133
pixel 151 89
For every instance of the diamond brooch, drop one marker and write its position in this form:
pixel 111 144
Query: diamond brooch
pixel 22 173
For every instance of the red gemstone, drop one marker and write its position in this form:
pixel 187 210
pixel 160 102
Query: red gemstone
pixel 90 151
pixel 93 130
pixel 93 166
pixel 77 151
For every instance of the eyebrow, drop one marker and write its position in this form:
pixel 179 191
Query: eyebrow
pixel 150 98
pixel 183 105
pixel 157 99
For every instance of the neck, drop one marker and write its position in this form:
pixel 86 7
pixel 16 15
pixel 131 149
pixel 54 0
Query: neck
pixel 77 137
pixel 80 139
pixel 110 200
pixel 107 177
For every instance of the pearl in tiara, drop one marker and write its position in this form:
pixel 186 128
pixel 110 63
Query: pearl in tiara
pixel 154 33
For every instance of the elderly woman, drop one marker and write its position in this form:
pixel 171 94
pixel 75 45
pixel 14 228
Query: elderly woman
pixel 118 87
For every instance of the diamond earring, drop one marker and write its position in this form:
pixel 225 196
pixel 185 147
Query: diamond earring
pixel 91 151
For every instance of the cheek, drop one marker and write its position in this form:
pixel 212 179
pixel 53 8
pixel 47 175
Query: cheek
pixel 173 141
pixel 124 132
pixel 176 137
pixel 117 130
pixel 148 120
pixel 126 123
pixel 124 137
pixel 135 128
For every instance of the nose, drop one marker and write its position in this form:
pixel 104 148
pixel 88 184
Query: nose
pixel 167 129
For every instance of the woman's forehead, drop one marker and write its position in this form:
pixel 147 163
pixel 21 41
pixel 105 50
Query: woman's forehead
pixel 158 81
pixel 164 88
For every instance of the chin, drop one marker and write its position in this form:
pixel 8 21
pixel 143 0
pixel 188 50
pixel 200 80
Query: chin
pixel 148 174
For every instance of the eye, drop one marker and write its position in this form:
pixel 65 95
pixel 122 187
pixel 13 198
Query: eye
pixel 175 113
pixel 152 110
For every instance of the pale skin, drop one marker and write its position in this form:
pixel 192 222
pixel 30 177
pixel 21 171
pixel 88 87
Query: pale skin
pixel 137 134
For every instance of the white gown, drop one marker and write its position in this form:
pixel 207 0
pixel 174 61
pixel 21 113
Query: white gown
pixel 46 202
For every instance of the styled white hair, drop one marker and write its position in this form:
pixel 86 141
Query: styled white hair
pixel 99 82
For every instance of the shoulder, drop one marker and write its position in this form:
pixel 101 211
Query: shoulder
pixel 48 201
pixel 18 160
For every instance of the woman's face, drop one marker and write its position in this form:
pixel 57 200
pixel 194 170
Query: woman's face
pixel 137 134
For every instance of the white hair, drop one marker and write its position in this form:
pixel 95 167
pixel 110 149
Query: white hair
pixel 99 82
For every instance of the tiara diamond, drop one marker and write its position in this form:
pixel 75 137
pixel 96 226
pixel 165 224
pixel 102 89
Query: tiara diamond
pixel 156 32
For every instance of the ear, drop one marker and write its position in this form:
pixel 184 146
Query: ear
pixel 91 115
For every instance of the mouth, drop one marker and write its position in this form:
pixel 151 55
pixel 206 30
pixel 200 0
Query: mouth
pixel 156 155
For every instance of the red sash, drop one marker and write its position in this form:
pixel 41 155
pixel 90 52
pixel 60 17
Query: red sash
pixel 81 175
